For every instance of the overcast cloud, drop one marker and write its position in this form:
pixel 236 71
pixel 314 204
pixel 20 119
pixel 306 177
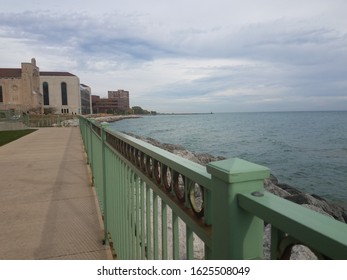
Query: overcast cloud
pixel 189 56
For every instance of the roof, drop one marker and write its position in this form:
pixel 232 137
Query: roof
pixel 56 74
pixel 17 73
pixel 10 72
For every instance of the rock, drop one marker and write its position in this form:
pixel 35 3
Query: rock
pixel 299 252
pixel 274 189
pixel 332 210
pixel 290 189
pixel 70 123
pixel 112 118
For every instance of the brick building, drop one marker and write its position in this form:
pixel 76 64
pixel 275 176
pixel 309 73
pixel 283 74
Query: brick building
pixel 117 102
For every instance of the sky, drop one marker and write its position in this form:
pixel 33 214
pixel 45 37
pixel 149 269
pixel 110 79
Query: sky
pixel 189 55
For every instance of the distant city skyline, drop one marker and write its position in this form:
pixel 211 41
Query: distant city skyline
pixel 182 56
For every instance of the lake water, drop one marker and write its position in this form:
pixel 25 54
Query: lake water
pixel 307 150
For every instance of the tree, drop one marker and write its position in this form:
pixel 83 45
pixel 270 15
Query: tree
pixel 138 110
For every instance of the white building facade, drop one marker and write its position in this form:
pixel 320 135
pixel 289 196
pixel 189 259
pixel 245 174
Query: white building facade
pixel 61 93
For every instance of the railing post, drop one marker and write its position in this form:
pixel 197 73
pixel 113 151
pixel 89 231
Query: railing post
pixel 236 234
pixel 104 125
pixel 90 144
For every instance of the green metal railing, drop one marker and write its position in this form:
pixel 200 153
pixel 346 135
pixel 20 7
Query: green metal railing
pixel 39 120
pixel 157 205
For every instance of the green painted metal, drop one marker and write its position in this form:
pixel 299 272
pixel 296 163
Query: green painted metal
pixel 155 227
pixel 137 225
pixel 242 232
pixel 140 205
pixel 322 233
pixel 189 243
pixel 276 237
pixel 164 230
pixel 104 183
pixel 175 236
pixel 149 229
pixel 192 170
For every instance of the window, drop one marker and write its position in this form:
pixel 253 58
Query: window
pixel 45 94
pixel 1 97
pixel 63 94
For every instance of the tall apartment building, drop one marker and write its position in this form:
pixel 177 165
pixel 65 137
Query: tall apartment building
pixel 121 97
pixel 117 102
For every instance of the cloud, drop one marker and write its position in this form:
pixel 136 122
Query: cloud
pixel 211 58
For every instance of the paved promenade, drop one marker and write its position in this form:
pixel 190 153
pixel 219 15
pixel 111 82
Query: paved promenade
pixel 47 207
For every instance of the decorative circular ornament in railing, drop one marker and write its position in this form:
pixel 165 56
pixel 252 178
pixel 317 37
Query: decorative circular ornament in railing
pixel 149 165
pixel 138 158
pixel 143 159
pixel 157 174
pixel 132 155
pixel 179 186
pixel 119 146
pixel 127 151
pixel 167 178
pixel 196 199
pixel 122 148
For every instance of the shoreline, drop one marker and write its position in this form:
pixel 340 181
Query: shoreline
pixel 111 118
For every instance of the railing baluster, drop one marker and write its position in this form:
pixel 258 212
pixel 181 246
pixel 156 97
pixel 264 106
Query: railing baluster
pixel 117 205
pixel 276 237
pixel 155 227
pixel 189 243
pixel 127 203
pixel 143 232
pixel 175 236
pixel 148 223
pixel 164 230
pixel 132 215
pixel 137 225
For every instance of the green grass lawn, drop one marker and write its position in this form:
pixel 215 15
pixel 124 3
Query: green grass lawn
pixel 11 135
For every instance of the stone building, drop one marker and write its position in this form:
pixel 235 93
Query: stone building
pixel 20 88
pixel 27 89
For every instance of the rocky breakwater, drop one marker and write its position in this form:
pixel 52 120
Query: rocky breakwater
pixel 111 118
pixel 272 185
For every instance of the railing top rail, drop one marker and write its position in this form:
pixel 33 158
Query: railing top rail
pixel 190 169
pixel 315 230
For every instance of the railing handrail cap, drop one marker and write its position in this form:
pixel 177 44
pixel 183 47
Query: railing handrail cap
pixel 235 170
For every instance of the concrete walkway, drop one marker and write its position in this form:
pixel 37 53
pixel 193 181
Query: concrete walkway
pixel 47 206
